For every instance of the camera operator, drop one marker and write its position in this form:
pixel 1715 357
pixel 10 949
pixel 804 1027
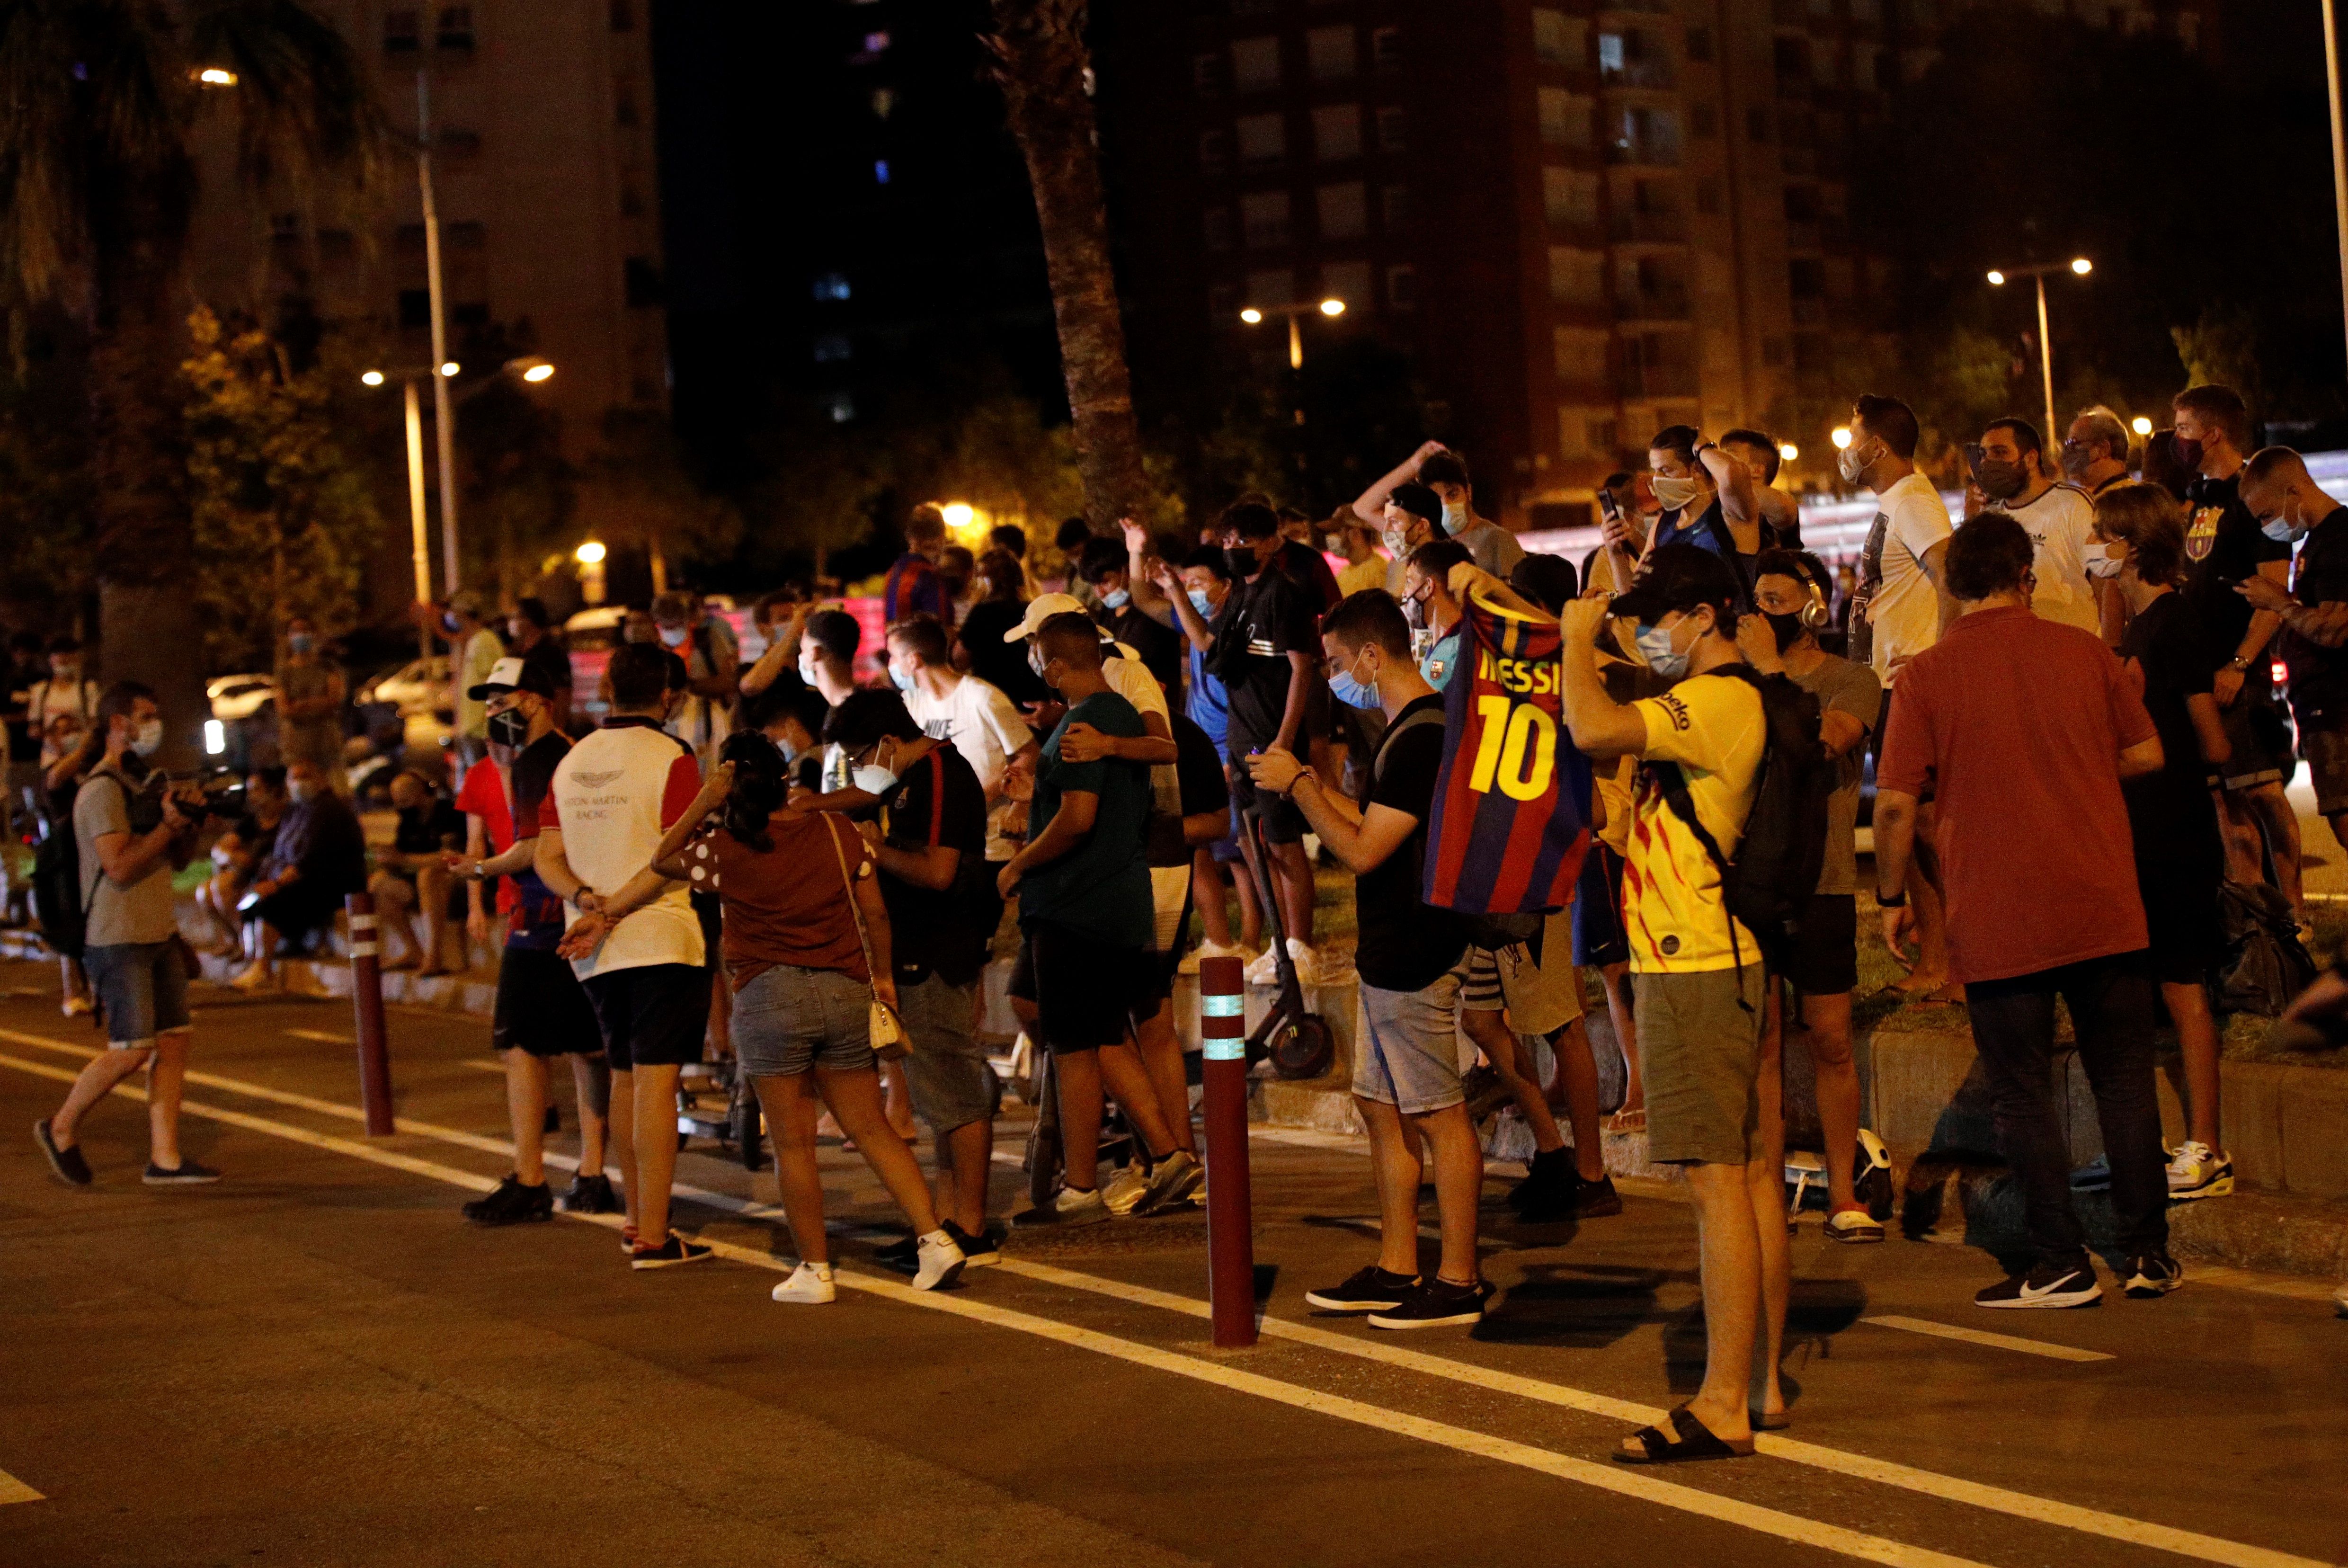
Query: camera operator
pixel 131 838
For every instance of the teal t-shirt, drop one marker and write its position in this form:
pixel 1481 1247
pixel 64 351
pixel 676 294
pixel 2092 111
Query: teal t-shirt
pixel 1101 888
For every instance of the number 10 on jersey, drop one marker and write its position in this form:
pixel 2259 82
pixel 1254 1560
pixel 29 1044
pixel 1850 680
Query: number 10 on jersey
pixel 1516 749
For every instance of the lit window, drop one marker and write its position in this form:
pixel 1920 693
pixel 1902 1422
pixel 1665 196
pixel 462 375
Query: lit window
pixel 1333 53
pixel 883 100
pixel 1609 52
pixel 831 285
pixel 875 41
pixel 841 406
pixel 1337 132
pixel 881 171
pixel 1255 63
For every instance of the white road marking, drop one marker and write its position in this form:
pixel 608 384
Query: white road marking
pixel 323 1037
pixel 2020 1505
pixel 15 1491
pixel 1995 1341
pixel 1602 1477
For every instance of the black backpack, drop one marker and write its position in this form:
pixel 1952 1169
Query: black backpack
pixel 1783 850
pixel 57 900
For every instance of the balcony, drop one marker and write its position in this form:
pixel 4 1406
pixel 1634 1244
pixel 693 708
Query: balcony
pixel 1666 304
pixel 1647 228
pixel 1652 73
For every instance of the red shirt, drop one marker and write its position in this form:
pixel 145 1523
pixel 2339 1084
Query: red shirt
pixel 2017 723
pixel 483 795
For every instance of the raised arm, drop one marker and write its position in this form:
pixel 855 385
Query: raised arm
pixel 1600 726
pixel 1148 596
pixel 1370 506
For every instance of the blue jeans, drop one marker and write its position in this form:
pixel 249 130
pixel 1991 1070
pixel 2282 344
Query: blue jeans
pixel 2111 1004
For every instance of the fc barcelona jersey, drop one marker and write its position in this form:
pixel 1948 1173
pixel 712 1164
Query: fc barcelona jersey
pixel 1508 835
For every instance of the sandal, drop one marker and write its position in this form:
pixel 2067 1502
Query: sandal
pixel 1649 1446
pixel 1765 1422
pixel 1626 1122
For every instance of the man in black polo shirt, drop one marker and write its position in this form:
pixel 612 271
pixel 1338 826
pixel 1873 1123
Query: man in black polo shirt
pixel 2292 507
pixel 1267 653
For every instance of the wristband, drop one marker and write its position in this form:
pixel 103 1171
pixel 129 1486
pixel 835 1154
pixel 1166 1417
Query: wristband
pixel 1302 775
pixel 1890 900
pixel 2242 662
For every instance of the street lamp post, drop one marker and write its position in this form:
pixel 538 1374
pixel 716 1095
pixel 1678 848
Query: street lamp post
pixel 2339 145
pixel 445 424
pixel 2079 265
pixel 1253 316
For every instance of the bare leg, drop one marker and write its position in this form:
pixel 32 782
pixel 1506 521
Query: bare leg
pixel 1161 1058
pixel 1500 1047
pixel 1617 979
pixel 622 1125
pixel 1731 1249
pixel 1251 912
pixel 1766 1182
pixel 1576 1078
pixel 2196 1041
pixel 1079 1074
pixel 1932 972
pixel 2272 810
pixel 790 1106
pixel 1825 1022
pixel 432 899
pixel 656 1121
pixel 899 1099
pixel 167 1074
pixel 94 1083
pixel 394 903
pixel 591 1081
pixel 1394 1161
pixel 1207 884
pixel 720 1033
pixel 855 1100
pixel 2240 833
pixel 1293 879
pixel 969 1149
pixel 1459 1184
pixel 1123 1075
pixel 526 1091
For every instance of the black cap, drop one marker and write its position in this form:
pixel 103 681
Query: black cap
pixel 1679 577
pixel 1418 501
pixel 1548 580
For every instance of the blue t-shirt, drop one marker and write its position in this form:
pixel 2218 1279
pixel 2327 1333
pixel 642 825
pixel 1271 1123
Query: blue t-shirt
pixel 1101 888
pixel 1208 704
pixel 1443 659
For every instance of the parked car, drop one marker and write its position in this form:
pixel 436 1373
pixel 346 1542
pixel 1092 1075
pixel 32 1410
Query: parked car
pixel 244 722
pixel 405 708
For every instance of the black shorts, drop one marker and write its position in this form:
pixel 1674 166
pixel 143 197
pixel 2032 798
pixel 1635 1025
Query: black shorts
pixel 541 1008
pixel 1825 951
pixel 2182 925
pixel 652 1015
pixel 294 912
pixel 1282 822
pixel 709 908
pixel 1599 936
pixel 1087 993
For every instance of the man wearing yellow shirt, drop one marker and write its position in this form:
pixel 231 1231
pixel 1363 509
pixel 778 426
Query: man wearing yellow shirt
pixel 1697 972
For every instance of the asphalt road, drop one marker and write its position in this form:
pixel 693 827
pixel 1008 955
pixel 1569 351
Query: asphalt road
pixel 316 1361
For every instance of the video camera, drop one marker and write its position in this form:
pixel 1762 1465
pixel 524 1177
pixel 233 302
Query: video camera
pixel 212 792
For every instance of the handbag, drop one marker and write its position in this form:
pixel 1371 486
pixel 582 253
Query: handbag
pixel 888 1034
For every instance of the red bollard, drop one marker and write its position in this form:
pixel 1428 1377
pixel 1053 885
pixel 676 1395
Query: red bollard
pixel 366 999
pixel 1231 1221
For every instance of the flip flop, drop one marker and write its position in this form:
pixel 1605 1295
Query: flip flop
pixel 1649 1446
pixel 1628 1121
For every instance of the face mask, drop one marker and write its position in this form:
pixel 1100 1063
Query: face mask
pixel 301 643
pixel 1396 541
pixel 809 668
pixel 1116 600
pixel 2282 529
pixel 510 729
pixel 148 738
pixel 65 674
pixel 1202 603
pixel 449 624
pixel 2187 453
pixel 790 753
pixel 1999 480
pixel 1413 612
pixel 2076 459
pixel 1351 692
pixel 1333 543
pixel 1655 647
pixel 1455 517
pixel 1035 660
pixel 873 779
pixel 1243 560
pixel 300 792
pixel 1850 465
pixel 1787 629
pixel 902 678
pixel 1676 493
pixel 674 637
pixel 2100 559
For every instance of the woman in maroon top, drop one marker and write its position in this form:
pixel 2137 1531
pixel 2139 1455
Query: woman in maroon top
pixel 803 988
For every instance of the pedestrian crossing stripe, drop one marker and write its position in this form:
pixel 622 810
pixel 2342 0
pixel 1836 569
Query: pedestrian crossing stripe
pixel 15 1491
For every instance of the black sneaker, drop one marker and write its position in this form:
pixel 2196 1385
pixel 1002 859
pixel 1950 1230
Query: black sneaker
pixel 1372 1289
pixel 71 1168
pixel 512 1203
pixel 1596 1200
pixel 668 1254
pixel 2152 1276
pixel 1435 1304
pixel 589 1195
pixel 187 1173
pixel 904 1256
pixel 2046 1285
pixel 1544 1174
pixel 978 1252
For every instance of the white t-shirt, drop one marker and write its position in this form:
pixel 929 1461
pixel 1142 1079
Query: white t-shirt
pixel 49 699
pixel 1903 606
pixel 1131 679
pixel 979 721
pixel 615 794
pixel 2059 523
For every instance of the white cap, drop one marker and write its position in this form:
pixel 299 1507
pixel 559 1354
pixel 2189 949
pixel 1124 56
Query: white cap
pixel 1041 608
pixel 504 675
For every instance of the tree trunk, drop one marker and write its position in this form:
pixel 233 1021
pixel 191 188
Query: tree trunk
pixel 1043 67
pixel 148 630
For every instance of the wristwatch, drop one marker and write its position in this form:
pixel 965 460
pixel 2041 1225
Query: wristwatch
pixel 2241 661
pixel 1890 900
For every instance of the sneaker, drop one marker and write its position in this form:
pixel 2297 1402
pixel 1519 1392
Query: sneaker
pixel 668 1254
pixel 75 1007
pixel 809 1286
pixel 1264 969
pixel 1372 1289
pixel 1544 1175
pixel 1068 1207
pixel 903 1256
pixel 1125 1190
pixel 2046 1285
pixel 2152 1276
pixel 1853 1226
pixel 2095 1176
pixel 186 1173
pixel 71 1168
pixel 512 1203
pixel 590 1195
pixel 1435 1304
pixel 254 980
pixel 1171 1181
pixel 2196 1171
pixel 940 1261
pixel 1596 1200
pixel 978 1252
pixel 1206 950
pixel 627 1238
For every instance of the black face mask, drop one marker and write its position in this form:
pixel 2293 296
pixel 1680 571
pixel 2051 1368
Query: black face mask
pixel 510 729
pixel 2001 481
pixel 1243 560
pixel 2187 453
pixel 1787 629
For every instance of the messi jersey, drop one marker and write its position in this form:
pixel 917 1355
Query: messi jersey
pixel 1509 834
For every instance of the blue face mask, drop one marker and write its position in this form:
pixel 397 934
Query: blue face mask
pixel 1115 600
pixel 902 678
pixel 1351 692
pixel 790 753
pixel 1202 603
pixel 1655 647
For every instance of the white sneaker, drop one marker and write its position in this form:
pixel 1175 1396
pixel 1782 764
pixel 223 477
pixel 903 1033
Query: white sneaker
pixel 809 1286
pixel 1307 959
pixel 1173 1181
pixel 1123 1192
pixel 1264 969
pixel 2196 1170
pixel 1206 950
pixel 257 978
pixel 75 1007
pixel 941 1262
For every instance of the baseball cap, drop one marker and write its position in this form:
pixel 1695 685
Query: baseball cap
pixel 1679 577
pixel 1041 608
pixel 512 675
pixel 1417 499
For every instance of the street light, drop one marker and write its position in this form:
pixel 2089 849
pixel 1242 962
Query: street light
pixel 1842 438
pixel 1253 316
pixel 590 556
pixel 2079 265
pixel 2140 425
pixel 1789 452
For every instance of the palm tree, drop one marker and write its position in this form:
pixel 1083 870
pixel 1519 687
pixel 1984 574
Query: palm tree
pixel 1046 73
pixel 100 105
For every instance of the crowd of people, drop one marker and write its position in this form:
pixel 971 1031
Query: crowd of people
pixel 2065 694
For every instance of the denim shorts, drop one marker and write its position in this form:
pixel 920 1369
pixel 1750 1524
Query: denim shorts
pixel 1407 1056
pixel 787 1020
pixel 142 989
pixel 953 1085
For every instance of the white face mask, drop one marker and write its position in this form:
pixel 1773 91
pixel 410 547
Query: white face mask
pixel 301 791
pixel 1850 465
pixel 873 779
pixel 674 637
pixel 1676 493
pixel 1455 517
pixel 809 668
pixel 1397 543
pixel 2100 559
pixel 148 738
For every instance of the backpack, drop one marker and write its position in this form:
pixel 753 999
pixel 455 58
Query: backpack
pixel 1782 849
pixel 57 900
pixel 2264 966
